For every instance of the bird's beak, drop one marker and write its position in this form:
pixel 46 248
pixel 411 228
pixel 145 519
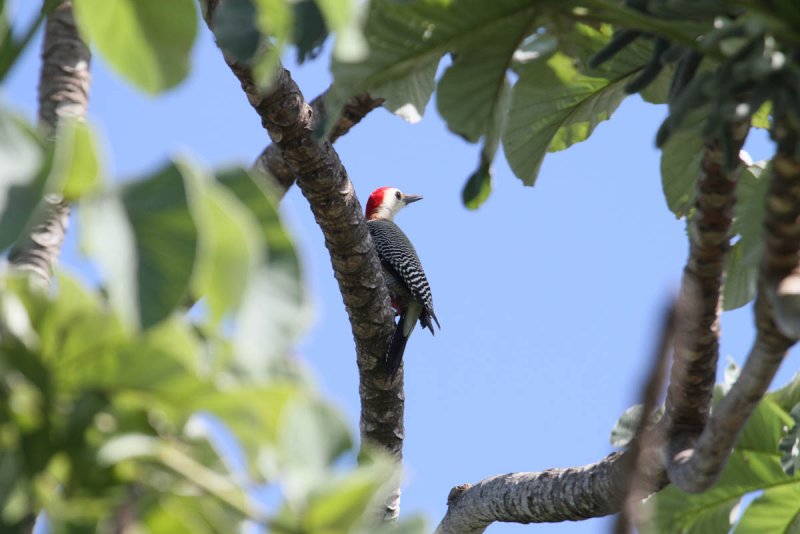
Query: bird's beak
pixel 408 199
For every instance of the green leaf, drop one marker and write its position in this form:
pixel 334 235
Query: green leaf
pixel 777 510
pixel 145 41
pixel 275 19
pixel 761 117
pixel 788 396
pixel 77 169
pixel 407 39
pixel 344 18
pixel 310 30
pixel 790 445
pixel 478 186
pixel 275 309
pixel 754 465
pixel 472 88
pixel 555 105
pixel 23 166
pixel 681 156
pixel 311 436
pixel 229 247
pixel 409 96
pixel 145 239
pixel 345 502
pixel 235 29
pixel 625 428
pixel 742 263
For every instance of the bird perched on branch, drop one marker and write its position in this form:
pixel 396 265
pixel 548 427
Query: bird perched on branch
pixel 402 270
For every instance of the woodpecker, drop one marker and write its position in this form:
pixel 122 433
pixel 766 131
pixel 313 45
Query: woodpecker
pixel 402 270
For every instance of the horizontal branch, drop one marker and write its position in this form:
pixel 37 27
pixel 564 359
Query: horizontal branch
pixel 550 496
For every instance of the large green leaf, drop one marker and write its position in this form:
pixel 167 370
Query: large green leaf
pixel 343 503
pixel 777 510
pixel 275 309
pixel 23 167
pixel 145 239
pixel 741 265
pixel 229 245
pixel 311 436
pixel 235 29
pixel 408 38
pixel 471 90
pixel 146 41
pixel 555 105
pixel 681 156
pixel 754 465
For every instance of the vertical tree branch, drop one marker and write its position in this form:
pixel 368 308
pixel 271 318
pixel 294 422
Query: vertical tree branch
pixel 695 466
pixel 694 369
pixel 323 180
pixel 63 91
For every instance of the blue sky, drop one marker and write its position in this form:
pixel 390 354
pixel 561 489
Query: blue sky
pixel 548 296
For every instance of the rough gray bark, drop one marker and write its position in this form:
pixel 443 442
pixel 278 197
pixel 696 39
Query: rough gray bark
pixel 549 496
pixel 63 92
pixel 323 180
pixel 271 161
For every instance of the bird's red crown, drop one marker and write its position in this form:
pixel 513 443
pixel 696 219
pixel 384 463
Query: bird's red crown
pixel 375 200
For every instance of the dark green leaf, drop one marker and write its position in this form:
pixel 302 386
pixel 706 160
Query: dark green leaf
pixel 275 309
pixel 229 249
pixel 471 90
pixel 146 240
pixel 408 39
pixel 235 29
pixel 311 436
pixel 310 30
pixel 478 186
pixel 741 265
pixel 145 41
pixel 681 156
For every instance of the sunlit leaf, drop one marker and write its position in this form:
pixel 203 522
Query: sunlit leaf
pixel 311 436
pixel 142 40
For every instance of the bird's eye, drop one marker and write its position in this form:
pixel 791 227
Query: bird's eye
pixel 398 195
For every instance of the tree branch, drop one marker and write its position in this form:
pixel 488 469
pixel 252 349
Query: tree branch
pixel 694 369
pixel 648 436
pixel 324 182
pixel 575 493
pixel 695 466
pixel 549 496
pixel 63 91
pixel 271 161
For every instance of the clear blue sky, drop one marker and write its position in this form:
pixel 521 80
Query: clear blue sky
pixel 548 296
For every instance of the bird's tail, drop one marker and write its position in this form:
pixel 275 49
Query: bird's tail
pixel 395 354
